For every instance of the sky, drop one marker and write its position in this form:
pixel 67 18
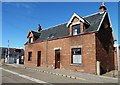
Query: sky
pixel 18 18
pixel 59 0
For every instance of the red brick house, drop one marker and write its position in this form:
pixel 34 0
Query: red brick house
pixel 77 45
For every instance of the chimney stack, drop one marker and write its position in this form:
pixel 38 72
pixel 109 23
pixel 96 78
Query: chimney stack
pixel 102 8
pixel 39 28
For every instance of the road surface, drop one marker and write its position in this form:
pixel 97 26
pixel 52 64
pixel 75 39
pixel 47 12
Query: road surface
pixel 11 74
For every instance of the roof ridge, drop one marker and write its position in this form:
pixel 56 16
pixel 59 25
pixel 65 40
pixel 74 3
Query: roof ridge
pixel 64 29
pixel 90 15
pixel 54 26
pixel 64 22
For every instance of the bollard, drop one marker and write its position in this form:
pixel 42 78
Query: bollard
pixel 98 67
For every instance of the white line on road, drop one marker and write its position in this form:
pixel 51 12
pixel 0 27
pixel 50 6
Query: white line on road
pixel 24 76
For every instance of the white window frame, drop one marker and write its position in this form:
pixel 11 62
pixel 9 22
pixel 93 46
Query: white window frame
pixel 31 40
pixel 76 61
pixel 75 30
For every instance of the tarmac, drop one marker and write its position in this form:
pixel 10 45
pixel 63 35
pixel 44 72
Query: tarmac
pixel 69 74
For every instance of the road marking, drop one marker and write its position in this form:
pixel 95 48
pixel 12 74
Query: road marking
pixel 26 77
pixel 80 78
pixel 56 74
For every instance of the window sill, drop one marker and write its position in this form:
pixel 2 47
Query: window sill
pixel 75 64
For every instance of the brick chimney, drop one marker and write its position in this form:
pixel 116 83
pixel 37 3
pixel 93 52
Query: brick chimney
pixel 39 28
pixel 102 8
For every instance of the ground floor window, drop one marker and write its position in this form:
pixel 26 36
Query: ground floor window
pixel 29 56
pixel 76 56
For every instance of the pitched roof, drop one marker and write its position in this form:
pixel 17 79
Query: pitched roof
pixel 37 34
pixel 94 20
pixel 54 32
pixel 63 31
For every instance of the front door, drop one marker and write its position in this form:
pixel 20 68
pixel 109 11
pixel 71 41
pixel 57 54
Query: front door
pixel 38 58
pixel 57 59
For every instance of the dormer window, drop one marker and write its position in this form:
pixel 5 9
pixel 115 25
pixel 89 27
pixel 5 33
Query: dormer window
pixel 33 36
pixel 77 25
pixel 30 40
pixel 76 29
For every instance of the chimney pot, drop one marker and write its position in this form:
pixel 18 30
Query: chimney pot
pixel 39 28
pixel 102 8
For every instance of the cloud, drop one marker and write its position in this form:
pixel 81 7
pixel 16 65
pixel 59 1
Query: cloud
pixel 18 4
pixel 23 5
pixel 26 6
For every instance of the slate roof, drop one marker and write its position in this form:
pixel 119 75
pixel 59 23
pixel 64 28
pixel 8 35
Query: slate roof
pixel 94 21
pixel 63 31
pixel 54 32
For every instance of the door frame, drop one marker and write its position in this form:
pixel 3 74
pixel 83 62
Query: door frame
pixel 57 60
pixel 38 58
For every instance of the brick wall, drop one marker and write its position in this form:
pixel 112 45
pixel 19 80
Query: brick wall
pixel 86 41
pixel 116 58
pixel 105 49
pixel 95 47
pixel 34 48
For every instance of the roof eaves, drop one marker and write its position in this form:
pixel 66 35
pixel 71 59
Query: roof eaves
pixel 101 21
pixel 29 33
pixel 65 36
pixel 26 43
pixel 114 37
pixel 109 19
pixel 90 32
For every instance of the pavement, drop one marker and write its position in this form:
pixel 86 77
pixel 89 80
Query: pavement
pixel 113 73
pixel 69 74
